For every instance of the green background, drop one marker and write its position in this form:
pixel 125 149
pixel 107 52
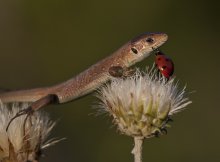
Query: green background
pixel 45 42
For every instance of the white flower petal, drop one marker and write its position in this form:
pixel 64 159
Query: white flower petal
pixel 141 104
pixel 23 142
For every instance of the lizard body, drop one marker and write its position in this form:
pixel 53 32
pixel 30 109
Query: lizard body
pixel 132 52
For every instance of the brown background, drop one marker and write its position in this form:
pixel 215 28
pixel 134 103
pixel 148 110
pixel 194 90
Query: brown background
pixel 44 42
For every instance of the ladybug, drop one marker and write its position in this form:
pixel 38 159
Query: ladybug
pixel 164 64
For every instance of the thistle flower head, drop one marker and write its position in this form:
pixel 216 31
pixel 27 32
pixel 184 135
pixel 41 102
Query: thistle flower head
pixel 23 142
pixel 142 104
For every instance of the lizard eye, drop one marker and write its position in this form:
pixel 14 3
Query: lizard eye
pixel 134 50
pixel 150 40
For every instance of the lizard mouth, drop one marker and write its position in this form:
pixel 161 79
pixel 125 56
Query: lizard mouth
pixel 155 49
pixel 160 42
pixel 157 46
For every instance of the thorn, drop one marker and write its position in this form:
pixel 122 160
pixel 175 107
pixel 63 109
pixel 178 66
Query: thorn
pixel 157 133
pixel 164 131
pixel 169 119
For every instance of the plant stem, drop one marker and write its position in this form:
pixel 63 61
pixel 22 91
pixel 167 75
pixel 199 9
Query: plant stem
pixel 137 150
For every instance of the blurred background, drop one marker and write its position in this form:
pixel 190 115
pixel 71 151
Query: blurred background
pixel 45 42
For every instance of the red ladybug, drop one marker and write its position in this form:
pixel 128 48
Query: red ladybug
pixel 164 64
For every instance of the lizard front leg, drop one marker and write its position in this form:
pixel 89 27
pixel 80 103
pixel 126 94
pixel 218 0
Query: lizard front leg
pixel 118 71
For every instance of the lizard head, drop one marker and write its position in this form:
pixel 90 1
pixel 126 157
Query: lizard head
pixel 141 46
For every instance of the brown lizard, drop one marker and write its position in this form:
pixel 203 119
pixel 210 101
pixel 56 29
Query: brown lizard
pixel 87 81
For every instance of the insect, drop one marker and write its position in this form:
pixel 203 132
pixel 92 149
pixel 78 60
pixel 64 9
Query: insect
pixel 164 64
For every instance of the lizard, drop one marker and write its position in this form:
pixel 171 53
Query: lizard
pixel 87 81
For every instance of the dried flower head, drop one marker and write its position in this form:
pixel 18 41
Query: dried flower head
pixel 23 142
pixel 141 105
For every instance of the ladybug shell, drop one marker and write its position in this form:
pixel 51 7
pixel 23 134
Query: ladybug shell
pixel 164 64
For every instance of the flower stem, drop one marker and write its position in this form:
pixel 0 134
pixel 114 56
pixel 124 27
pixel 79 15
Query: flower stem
pixel 137 150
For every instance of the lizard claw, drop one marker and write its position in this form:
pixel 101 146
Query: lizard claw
pixel 118 71
pixel 129 72
pixel 28 111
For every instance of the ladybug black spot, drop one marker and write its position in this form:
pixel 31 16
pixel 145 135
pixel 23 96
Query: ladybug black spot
pixel 134 50
pixel 159 59
pixel 167 60
pixel 164 67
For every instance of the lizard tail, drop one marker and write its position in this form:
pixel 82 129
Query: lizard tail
pixel 30 95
